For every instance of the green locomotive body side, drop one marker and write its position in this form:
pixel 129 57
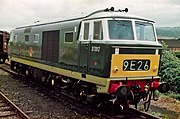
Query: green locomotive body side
pixel 73 51
pixel 50 47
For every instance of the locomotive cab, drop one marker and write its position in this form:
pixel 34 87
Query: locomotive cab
pixel 125 50
pixel 113 47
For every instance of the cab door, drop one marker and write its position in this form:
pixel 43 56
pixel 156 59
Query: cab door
pixel 84 49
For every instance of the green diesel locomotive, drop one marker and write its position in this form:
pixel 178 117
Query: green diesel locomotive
pixel 107 56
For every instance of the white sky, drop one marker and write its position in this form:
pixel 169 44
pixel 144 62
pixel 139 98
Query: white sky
pixel 14 13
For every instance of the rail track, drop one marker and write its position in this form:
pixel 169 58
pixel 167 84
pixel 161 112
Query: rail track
pixel 9 110
pixel 85 108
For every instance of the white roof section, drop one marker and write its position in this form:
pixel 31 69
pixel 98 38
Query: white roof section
pixel 106 13
pixel 115 14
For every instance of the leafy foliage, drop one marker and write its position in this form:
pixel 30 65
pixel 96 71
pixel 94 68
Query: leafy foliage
pixel 170 69
pixel 177 54
pixel 174 95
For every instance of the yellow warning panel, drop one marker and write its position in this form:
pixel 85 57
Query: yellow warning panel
pixel 134 65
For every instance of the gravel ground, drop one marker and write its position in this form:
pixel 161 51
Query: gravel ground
pixel 37 104
pixel 166 107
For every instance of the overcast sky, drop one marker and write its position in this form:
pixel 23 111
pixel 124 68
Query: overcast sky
pixel 14 13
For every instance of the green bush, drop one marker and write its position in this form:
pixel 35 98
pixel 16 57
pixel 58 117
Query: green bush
pixel 170 69
pixel 174 95
pixel 177 53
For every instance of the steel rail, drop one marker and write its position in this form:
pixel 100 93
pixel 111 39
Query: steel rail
pixel 19 112
pixel 143 114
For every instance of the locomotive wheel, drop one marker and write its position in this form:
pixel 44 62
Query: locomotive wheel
pixel 77 91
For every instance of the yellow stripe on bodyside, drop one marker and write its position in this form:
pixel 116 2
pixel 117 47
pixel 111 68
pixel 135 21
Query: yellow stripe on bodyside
pixel 118 59
pixel 72 74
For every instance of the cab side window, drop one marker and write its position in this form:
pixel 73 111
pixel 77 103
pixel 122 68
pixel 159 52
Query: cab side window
pixel 86 31
pixel 26 38
pixel 68 37
pixel 98 30
pixel 36 38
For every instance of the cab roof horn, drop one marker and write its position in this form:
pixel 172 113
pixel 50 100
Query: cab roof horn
pixel 108 10
pixel 112 9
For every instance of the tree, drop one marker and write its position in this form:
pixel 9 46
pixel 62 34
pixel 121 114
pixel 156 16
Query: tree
pixel 170 69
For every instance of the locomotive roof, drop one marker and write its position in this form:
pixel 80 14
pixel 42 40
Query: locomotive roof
pixel 107 13
pixel 114 14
